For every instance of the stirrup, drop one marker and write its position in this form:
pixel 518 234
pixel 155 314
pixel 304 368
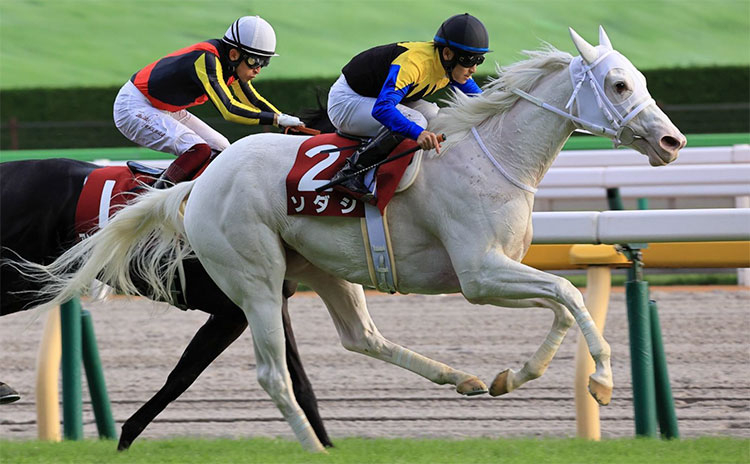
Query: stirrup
pixel 358 192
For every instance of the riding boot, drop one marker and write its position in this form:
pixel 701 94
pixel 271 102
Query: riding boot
pixel 376 150
pixel 185 166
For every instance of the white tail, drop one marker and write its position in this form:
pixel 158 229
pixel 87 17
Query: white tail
pixel 145 240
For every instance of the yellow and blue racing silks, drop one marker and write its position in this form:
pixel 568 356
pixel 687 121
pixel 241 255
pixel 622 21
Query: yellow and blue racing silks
pixel 195 74
pixel 400 73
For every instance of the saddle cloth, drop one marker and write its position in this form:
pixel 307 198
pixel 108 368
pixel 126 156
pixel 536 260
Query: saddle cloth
pixel 319 158
pixel 104 191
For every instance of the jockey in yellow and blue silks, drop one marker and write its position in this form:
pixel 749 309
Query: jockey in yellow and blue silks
pixel 379 93
pixel 151 108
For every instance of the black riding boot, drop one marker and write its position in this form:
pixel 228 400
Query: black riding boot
pixel 376 150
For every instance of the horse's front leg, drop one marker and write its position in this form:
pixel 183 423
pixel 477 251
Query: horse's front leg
pixel 501 281
pixel 346 304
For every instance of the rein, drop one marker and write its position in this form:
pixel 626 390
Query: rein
pixel 499 167
pixel 302 130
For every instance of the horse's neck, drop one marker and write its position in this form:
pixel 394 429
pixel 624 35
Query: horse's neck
pixel 527 139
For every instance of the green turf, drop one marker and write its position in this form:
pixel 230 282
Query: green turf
pixel 358 450
pixel 63 43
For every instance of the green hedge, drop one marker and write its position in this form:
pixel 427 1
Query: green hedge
pixel 699 100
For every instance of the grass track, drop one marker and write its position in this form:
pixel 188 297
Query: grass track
pixel 358 450
pixel 64 43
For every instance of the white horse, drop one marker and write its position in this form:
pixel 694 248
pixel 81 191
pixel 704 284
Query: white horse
pixel 463 226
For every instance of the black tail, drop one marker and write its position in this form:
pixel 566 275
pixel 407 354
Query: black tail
pixel 317 118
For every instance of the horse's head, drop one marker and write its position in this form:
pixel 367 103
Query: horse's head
pixel 610 92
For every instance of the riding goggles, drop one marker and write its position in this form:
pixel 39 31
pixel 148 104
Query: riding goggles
pixel 254 61
pixel 467 61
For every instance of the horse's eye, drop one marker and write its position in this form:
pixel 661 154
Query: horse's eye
pixel 620 86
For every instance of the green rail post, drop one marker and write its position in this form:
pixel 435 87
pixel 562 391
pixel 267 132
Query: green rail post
pixel 105 424
pixel 70 326
pixel 664 401
pixel 641 350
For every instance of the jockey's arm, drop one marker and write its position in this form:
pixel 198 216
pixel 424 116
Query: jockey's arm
pixel 470 87
pixel 247 94
pixel 385 112
pixel 208 70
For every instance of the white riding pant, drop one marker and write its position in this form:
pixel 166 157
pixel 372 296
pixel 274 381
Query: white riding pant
pixel 166 131
pixel 351 113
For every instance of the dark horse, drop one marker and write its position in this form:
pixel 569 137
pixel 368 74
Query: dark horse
pixel 38 201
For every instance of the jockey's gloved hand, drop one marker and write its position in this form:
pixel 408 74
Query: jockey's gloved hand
pixel 286 120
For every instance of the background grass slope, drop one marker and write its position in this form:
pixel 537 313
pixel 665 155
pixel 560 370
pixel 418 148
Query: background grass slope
pixel 100 43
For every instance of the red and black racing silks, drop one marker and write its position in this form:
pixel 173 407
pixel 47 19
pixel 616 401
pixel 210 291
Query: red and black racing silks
pixel 194 74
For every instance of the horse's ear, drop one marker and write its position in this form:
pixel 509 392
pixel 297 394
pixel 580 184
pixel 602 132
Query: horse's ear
pixel 603 39
pixel 587 51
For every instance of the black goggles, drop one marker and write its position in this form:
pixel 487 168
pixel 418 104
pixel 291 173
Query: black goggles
pixel 254 61
pixel 467 61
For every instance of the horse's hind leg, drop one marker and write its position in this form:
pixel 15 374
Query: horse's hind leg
pixel 302 386
pixel 208 343
pixel 266 324
pixel 347 306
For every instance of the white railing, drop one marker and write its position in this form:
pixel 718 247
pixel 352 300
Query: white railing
pixel 698 172
pixel 666 225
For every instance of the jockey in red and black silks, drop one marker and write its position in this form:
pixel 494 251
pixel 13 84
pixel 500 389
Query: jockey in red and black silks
pixel 151 108
pixel 188 77
pixel 379 93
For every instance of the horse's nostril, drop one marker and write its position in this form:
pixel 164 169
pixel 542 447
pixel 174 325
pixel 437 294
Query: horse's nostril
pixel 670 143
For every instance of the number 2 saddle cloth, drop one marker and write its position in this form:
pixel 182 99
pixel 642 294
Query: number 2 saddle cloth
pixel 320 158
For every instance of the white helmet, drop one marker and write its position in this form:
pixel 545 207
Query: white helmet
pixel 252 35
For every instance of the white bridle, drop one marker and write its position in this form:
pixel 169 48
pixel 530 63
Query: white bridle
pixel 596 112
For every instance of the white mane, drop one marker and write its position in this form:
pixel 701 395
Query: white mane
pixel 464 112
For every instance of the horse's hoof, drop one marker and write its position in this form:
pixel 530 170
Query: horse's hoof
pixel 601 393
pixel 500 384
pixel 471 387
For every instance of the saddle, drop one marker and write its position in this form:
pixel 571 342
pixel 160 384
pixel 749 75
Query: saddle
pixel 138 168
pixel 320 157
pixel 107 189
